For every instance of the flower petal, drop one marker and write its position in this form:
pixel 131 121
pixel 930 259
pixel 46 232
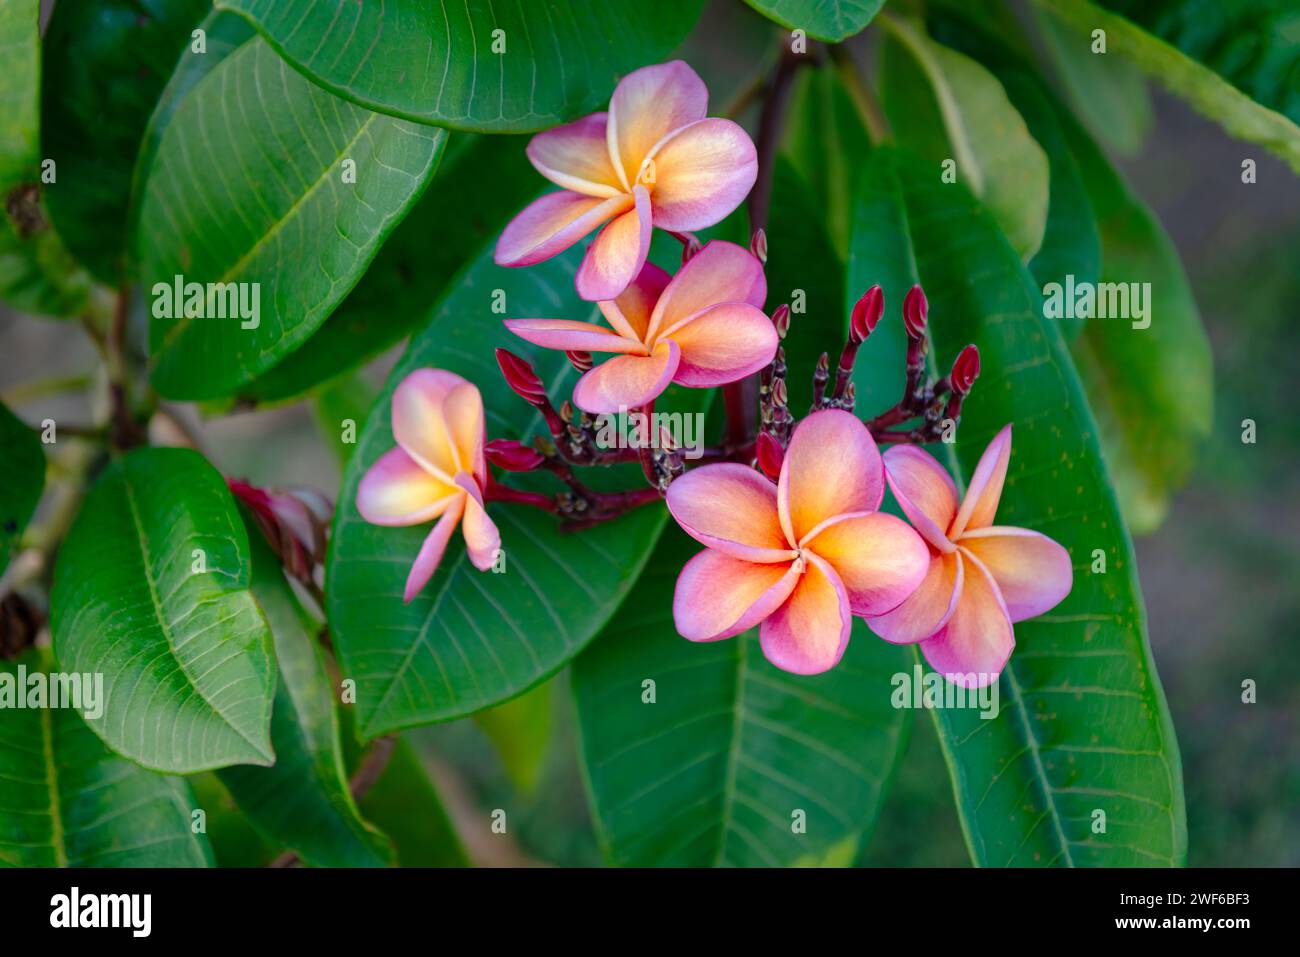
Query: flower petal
pixel 426 562
pixel 551 224
pixel 1032 572
pixel 647 105
pixel 627 382
pixel 722 344
pixel 630 312
pixel 925 491
pixel 420 422
pixel 398 491
pixel 720 272
pixel 730 507
pixel 615 259
pixel 482 539
pixel 928 608
pixel 718 596
pixel 879 558
pixel 702 173
pixel 570 334
pixel 831 467
pixel 985 490
pixel 463 412
pixel 576 156
pixel 973 647
pixel 808 634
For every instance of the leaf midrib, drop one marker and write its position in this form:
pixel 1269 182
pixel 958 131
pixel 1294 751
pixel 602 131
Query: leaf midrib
pixel 57 840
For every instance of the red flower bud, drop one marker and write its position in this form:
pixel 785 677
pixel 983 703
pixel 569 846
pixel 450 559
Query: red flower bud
pixel 965 370
pixel 758 246
pixel 519 375
pixel 915 312
pixel 770 455
pixel 513 456
pixel 581 360
pixel 866 313
pixel 781 319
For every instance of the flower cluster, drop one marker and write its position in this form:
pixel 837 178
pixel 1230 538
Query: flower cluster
pixel 788 511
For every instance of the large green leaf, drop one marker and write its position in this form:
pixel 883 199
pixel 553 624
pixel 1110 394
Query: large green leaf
pixel 481 182
pixel 22 476
pixel 472 639
pixel 1226 48
pixel 473 65
pixel 1109 94
pixel 151 589
pixel 68 801
pixel 105 65
pixel 1083 724
pixel 1151 389
pixel 302 802
pixel 37 273
pixel 944 106
pixel 520 732
pixel 715 769
pixel 829 20
pixel 250 185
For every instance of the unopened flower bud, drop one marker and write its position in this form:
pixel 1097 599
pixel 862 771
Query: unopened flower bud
pixel 566 410
pixel 770 455
pixel 915 312
pixel 779 395
pixel 513 456
pixel 519 375
pixel 781 319
pixel 581 360
pixel 758 246
pixel 690 247
pixel 866 313
pixel 965 370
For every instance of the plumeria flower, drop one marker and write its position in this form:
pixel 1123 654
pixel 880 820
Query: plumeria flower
pixel 982 577
pixel 703 327
pixel 800 558
pixel 437 470
pixel 652 160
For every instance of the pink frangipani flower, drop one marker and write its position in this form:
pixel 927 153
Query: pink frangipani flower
pixel 982 577
pixel 800 558
pixel 703 327
pixel 652 160
pixel 437 470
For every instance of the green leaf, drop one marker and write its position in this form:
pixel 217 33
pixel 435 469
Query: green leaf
pixel 423 839
pixel 249 186
pixel 443 62
pixel 70 802
pixel 1206 90
pixel 1251 44
pixel 945 106
pixel 1152 389
pixel 480 184
pixel 829 20
pixel 106 64
pixel 715 769
pixel 37 273
pixel 22 477
pixel 151 588
pixel 471 639
pixel 302 802
pixel 1110 95
pixel 520 731
pixel 826 142
pixel 1083 723
pixel 235 842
